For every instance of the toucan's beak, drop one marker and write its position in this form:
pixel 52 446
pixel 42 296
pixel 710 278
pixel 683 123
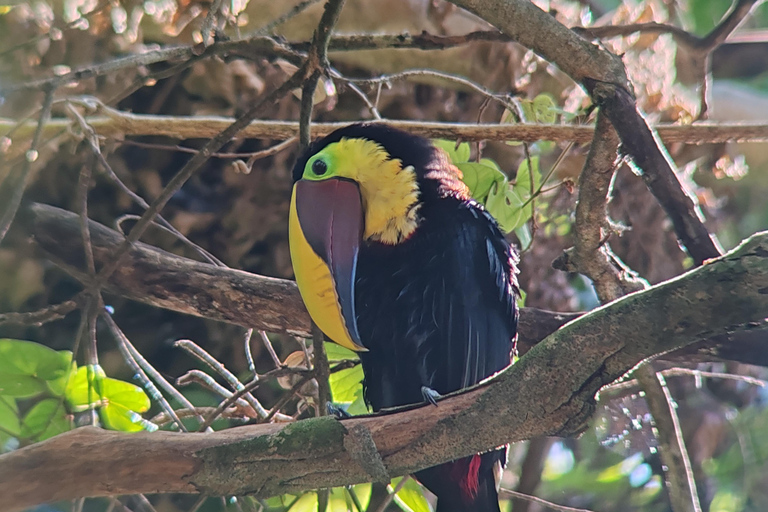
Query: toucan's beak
pixel 330 213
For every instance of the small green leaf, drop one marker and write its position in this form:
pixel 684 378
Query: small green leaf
pixel 506 206
pixel 524 235
pixel 124 394
pixel 347 385
pixel 118 417
pixel 82 391
pixel 541 109
pixel 45 419
pixel 57 387
pixel 480 177
pixel 336 352
pixel 25 367
pixel 306 503
pixel 411 497
pixel 9 417
pixel 123 403
pixel 521 299
pixel 523 178
pixel 456 154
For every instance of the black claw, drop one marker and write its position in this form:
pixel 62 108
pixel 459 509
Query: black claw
pixel 336 411
pixel 430 395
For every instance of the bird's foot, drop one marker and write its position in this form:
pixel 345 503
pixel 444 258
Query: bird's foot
pixel 430 395
pixel 336 411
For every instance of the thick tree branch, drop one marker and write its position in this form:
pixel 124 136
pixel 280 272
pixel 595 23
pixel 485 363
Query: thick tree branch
pixel 161 279
pixel 550 391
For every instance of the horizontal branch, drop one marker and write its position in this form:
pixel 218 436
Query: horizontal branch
pixel 550 391
pixel 119 124
pixel 163 280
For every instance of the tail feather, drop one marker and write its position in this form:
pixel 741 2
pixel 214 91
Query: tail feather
pixel 465 485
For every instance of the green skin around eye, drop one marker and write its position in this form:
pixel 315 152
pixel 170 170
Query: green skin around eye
pixel 328 158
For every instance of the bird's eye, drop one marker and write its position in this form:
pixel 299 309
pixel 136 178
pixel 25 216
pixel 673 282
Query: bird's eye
pixel 319 167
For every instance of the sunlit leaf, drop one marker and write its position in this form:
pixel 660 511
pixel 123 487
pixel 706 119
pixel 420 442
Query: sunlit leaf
pixel 541 109
pixel 456 154
pixel 82 392
pixel 506 206
pixel 480 177
pixel 20 386
pixel 336 352
pixel 347 385
pixel 306 503
pixel 523 178
pixel 411 496
pixel 25 367
pixel 9 417
pixel 117 417
pixel 45 419
pixel 125 394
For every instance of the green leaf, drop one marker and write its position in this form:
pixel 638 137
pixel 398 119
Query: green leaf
pixel 523 178
pixel 9 417
pixel 541 109
pixel 524 235
pixel 118 417
pixel 411 496
pixel 336 352
pixel 125 394
pixel 506 206
pixel 25 367
pixel 120 403
pixel 480 177
pixel 456 154
pixel 20 386
pixel 347 385
pixel 82 391
pixel 307 503
pixel 45 419
pixel 123 404
pixel 57 387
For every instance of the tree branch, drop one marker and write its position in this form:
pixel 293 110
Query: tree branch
pixel 118 124
pixel 163 280
pixel 265 460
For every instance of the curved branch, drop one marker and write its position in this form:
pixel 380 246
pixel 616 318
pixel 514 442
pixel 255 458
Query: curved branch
pixel 265 460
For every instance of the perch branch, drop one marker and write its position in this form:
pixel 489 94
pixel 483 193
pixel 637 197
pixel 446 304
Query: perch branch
pixel 265 460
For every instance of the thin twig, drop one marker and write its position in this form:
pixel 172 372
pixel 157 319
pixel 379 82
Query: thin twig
pixel 388 499
pixel 254 155
pixel 17 183
pixel 206 381
pixel 295 10
pixel 247 349
pixel 44 315
pixel 410 73
pixel 195 350
pixel 154 393
pixel 681 484
pixel 270 349
pixel 508 493
pixel 210 20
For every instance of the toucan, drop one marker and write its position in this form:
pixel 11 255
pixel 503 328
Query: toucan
pixel 395 260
